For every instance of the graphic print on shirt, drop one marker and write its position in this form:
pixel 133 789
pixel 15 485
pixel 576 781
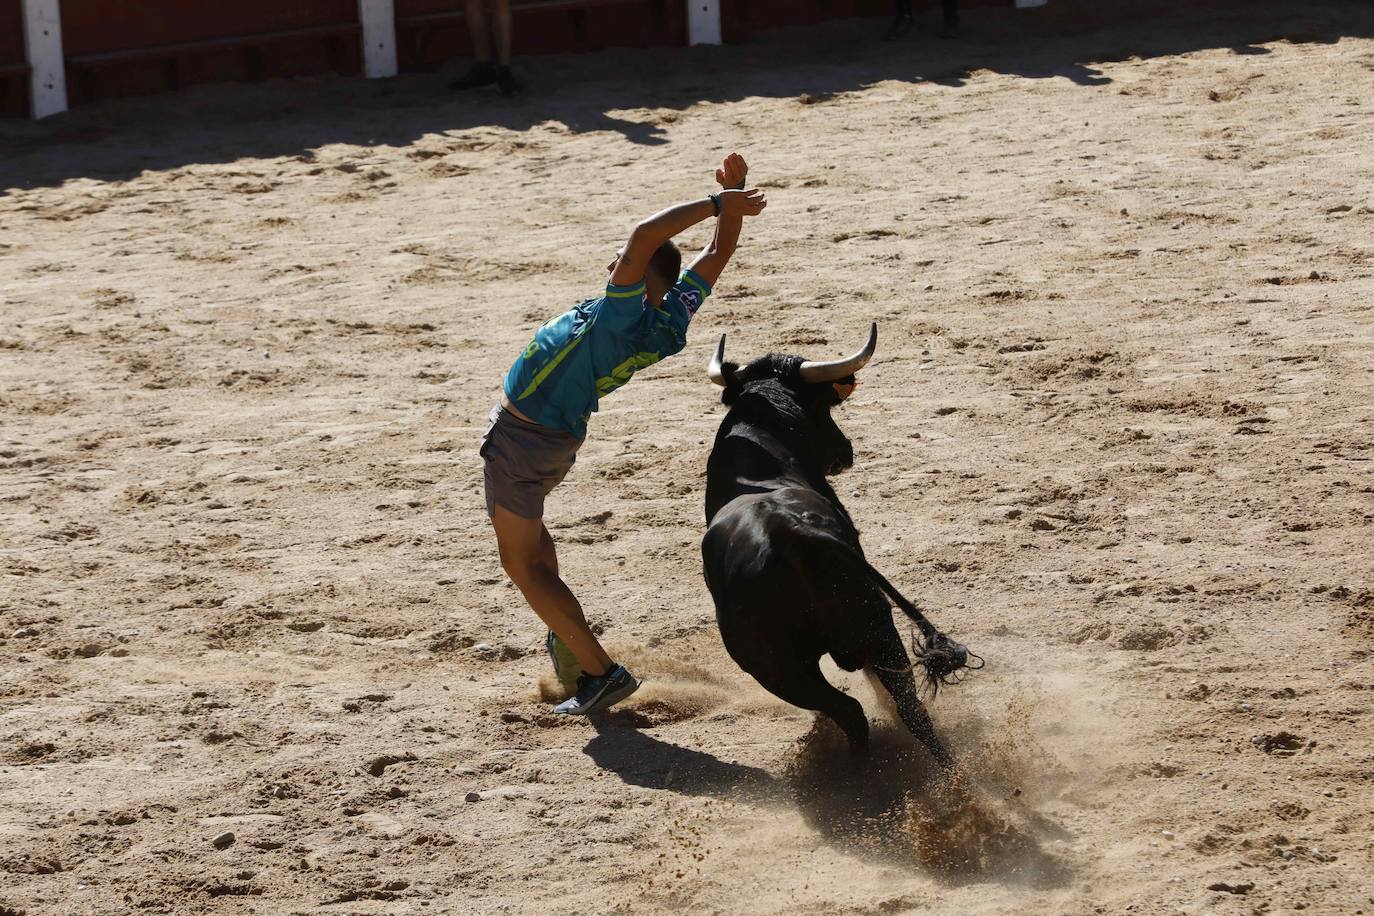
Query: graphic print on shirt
pixel 624 372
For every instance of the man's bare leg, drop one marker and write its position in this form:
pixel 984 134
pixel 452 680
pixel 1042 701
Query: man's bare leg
pixel 547 553
pixel 529 558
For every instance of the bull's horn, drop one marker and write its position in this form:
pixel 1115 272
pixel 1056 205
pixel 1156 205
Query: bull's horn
pixel 839 368
pixel 715 369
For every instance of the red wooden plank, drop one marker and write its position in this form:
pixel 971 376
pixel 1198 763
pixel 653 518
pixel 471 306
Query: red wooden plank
pixel 741 18
pixel 14 97
pixel 432 32
pixel 406 8
pixel 412 9
pixel 11 32
pixel 518 7
pixel 14 68
pixel 147 68
pixel 141 46
pixel 97 26
pixel 210 46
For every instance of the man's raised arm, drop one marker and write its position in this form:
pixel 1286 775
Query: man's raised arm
pixel 712 260
pixel 729 205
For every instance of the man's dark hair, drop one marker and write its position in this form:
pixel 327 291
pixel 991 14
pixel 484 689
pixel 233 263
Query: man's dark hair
pixel 667 262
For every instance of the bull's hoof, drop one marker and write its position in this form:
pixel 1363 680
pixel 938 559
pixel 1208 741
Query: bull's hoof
pixel 858 737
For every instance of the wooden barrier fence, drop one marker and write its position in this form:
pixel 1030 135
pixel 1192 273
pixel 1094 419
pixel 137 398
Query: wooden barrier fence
pixel 58 53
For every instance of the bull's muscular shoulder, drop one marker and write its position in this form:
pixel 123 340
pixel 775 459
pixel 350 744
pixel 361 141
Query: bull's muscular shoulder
pixel 747 453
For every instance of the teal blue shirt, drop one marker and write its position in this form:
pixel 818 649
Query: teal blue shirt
pixel 593 348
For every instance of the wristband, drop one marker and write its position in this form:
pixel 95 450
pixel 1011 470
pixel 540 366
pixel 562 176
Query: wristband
pixel 715 201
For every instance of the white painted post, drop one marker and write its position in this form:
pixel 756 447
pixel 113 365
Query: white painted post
pixel 703 22
pixel 43 44
pixel 378 18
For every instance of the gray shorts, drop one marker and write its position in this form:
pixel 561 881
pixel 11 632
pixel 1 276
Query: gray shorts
pixel 523 461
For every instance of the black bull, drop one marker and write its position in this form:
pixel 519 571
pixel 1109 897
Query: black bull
pixel 782 556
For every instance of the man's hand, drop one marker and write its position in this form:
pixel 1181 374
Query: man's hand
pixel 732 171
pixel 742 203
pixel 734 206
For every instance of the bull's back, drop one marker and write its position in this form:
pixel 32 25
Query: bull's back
pixel 756 543
pixel 765 566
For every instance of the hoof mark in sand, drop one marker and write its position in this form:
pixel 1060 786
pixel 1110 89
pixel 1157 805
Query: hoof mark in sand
pixel 1282 744
pixel 1237 888
pixel 377 765
pixel 450 641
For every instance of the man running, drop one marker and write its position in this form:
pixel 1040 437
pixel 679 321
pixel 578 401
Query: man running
pixel 553 388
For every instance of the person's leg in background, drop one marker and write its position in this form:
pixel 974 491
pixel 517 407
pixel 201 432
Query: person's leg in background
pixel 491 38
pixel 501 21
pixel 902 20
pixel 483 71
pixel 950 29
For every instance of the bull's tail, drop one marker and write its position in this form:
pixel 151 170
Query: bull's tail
pixel 943 658
pixel 853 558
pixel 928 631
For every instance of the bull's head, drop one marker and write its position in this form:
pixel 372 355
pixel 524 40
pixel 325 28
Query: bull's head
pixel 812 387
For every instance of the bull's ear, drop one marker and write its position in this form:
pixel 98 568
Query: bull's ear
pixel 844 388
pixel 733 383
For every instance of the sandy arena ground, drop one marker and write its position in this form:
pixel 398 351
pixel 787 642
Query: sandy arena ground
pixel 1117 438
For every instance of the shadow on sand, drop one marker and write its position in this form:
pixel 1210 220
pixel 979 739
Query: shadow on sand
pixel 586 93
pixel 640 759
pixel 893 806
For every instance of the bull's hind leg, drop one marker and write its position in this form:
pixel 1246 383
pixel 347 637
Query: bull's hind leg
pixel 805 686
pixel 891 665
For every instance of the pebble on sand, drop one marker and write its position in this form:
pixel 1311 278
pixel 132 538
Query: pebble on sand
pixel 472 797
pixel 224 840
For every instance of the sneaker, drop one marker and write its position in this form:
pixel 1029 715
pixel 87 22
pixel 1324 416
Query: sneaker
pixel 506 81
pixel 479 74
pixel 596 694
pixel 566 667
